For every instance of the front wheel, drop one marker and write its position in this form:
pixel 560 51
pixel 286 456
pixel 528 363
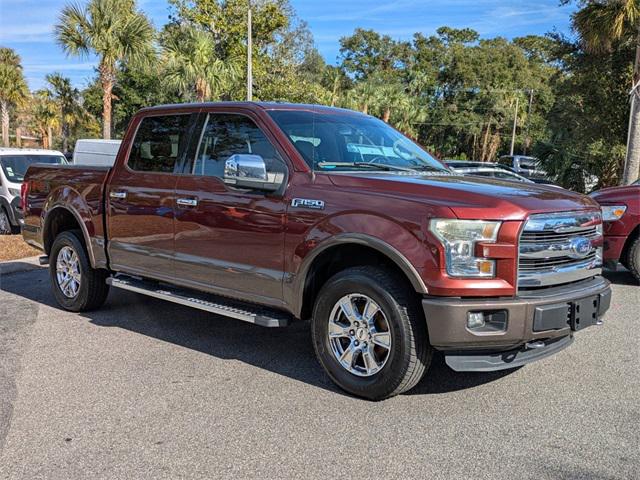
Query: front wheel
pixel 76 286
pixel 632 261
pixel 369 333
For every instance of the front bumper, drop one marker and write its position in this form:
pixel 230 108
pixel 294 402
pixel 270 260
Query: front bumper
pixel 535 320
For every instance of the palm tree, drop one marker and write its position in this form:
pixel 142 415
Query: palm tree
pixel 115 31
pixel 13 88
pixel 68 99
pixel 391 96
pixel 45 116
pixel 191 63
pixel 599 24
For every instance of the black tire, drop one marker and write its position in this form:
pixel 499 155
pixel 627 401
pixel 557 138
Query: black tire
pixel 5 224
pixel 410 353
pixel 93 289
pixel 632 260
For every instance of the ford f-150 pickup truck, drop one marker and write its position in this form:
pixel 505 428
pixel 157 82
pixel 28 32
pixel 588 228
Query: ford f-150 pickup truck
pixel 272 213
pixel 621 217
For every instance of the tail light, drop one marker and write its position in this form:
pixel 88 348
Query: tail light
pixel 24 192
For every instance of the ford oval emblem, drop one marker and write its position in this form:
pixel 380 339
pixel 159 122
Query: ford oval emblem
pixel 579 247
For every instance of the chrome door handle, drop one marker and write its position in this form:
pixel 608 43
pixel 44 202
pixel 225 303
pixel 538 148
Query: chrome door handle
pixel 187 202
pixel 120 195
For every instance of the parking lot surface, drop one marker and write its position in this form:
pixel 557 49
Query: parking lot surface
pixel 147 389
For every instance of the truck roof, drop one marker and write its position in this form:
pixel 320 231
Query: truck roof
pixel 257 106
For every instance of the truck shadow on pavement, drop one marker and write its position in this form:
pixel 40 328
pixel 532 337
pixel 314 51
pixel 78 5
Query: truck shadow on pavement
pixel 284 351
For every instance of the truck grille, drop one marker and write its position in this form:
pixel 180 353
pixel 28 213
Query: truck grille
pixel 559 248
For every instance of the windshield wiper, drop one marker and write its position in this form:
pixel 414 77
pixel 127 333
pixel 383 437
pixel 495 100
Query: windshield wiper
pixel 378 166
pixel 430 168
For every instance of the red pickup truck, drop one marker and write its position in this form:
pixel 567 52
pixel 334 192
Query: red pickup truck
pixel 272 213
pixel 621 216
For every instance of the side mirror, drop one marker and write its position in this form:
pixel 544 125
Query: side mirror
pixel 246 170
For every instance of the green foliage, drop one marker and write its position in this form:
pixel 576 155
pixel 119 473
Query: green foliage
pixel 587 122
pixel 13 88
pixel 454 92
pixel 134 89
pixel 74 119
pixel 191 63
pixel 115 31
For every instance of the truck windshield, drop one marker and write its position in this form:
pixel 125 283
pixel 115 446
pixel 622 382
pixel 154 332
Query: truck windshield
pixel 15 166
pixel 343 142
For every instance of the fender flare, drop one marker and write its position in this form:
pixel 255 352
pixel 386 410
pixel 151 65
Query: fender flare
pixel 79 221
pixel 9 209
pixel 359 239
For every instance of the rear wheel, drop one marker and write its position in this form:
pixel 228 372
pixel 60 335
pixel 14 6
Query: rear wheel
pixel 76 286
pixel 5 224
pixel 369 333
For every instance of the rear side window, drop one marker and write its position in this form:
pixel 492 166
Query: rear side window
pixel 158 143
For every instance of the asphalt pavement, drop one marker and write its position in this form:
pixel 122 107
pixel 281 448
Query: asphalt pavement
pixel 146 389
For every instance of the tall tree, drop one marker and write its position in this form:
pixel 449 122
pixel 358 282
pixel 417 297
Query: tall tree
pixel 192 65
pixel 115 31
pixel 366 52
pixel 68 99
pixel 46 115
pixel 600 23
pixel 13 88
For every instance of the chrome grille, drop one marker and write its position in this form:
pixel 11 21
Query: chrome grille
pixel 558 248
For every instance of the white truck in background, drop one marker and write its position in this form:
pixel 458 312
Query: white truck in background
pixel 96 152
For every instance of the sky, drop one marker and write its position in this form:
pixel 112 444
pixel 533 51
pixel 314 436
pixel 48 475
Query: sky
pixel 27 25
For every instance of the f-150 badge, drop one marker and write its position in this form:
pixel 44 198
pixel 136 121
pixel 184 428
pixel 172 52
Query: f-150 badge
pixel 307 203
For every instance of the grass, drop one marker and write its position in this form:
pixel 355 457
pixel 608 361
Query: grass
pixel 12 247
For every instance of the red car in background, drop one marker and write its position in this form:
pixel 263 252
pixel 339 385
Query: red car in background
pixel 621 215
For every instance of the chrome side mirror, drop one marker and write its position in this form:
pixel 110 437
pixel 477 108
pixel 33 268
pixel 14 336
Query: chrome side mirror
pixel 244 170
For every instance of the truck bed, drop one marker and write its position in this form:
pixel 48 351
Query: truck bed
pixel 77 188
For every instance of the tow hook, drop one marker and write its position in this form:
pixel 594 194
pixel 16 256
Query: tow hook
pixel 536 344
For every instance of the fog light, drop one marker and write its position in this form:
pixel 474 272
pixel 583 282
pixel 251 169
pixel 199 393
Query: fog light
pixel 487 322
pixel 475 320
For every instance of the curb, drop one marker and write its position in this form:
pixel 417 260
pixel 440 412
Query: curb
pixel 20 265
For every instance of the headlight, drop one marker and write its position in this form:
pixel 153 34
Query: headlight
pixel 611 213
pixel 14 191
pixel 459 238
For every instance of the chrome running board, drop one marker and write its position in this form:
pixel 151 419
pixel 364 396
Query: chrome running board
pixel 262 316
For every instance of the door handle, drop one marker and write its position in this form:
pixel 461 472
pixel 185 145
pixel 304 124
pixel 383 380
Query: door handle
pixel 116 194
pixel 187 202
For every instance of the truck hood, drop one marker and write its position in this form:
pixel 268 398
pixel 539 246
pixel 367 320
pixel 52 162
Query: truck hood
pixel 624 194
pixel 467 197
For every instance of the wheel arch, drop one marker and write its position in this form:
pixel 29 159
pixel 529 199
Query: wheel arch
pixel 344 251
pixel 61 218
pixel 635 233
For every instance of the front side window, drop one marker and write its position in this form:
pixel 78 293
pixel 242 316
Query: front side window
pixel 15 166
pixel 158 143
pixel 345 142
pixel 225 135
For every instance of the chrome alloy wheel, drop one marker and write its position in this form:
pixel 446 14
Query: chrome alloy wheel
pixel 359 335
pixel 68 272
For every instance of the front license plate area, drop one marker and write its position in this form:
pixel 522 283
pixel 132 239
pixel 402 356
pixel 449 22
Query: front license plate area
pixel 584 313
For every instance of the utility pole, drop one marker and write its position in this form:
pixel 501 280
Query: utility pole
pixel 249 59
pixel 526 135
pixel 515 124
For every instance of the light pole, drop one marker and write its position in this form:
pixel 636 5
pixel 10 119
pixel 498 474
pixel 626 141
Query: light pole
pixel 249 59
pixel 515 124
